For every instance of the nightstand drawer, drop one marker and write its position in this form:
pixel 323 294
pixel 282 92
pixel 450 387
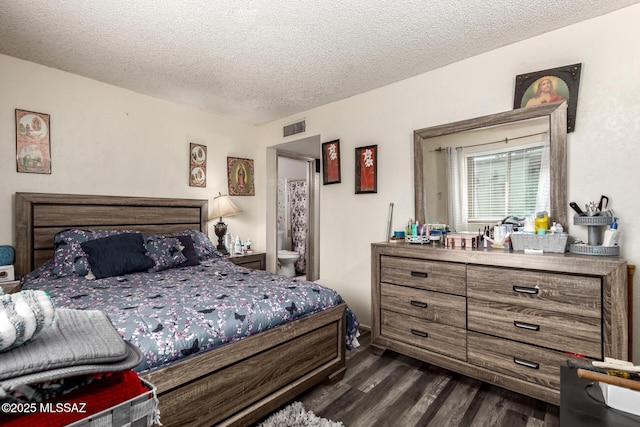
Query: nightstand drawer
pixel 444 339
pixel 429 305
pixel 563 293
pixel 552 329
pixel 256 261
pixel 435 276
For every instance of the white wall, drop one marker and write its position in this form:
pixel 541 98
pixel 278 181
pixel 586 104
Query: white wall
pixel 110 141
pixel 603 150
pixel 292 168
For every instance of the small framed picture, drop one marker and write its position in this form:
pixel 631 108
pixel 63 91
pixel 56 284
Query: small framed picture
pixel 33 142
pixel 197 165
pixel 367 169
pixel 240 176
pixel 331 162
pixel 546 86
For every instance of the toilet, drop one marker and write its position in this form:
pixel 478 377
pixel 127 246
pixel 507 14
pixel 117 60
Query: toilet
pixel 286 259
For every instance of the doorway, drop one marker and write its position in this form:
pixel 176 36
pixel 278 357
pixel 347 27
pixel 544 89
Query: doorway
pixel 293 177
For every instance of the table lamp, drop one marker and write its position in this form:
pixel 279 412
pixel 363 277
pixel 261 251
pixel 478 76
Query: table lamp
pixel 222 207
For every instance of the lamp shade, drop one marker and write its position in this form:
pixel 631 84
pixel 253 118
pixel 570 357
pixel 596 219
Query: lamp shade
pixel 223 206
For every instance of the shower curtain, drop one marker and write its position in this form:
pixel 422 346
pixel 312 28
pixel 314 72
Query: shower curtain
pixel 298 213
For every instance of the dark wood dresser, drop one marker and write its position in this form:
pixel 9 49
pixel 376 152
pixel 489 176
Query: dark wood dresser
pixel 503 317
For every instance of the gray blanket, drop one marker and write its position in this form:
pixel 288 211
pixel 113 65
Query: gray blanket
pixel 80 342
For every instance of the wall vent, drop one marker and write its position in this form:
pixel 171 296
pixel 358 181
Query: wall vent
pixel 294 128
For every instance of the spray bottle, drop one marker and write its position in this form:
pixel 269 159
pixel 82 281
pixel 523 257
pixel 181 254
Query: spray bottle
pixel 612 234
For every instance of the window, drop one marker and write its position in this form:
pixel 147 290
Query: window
pixel 502 183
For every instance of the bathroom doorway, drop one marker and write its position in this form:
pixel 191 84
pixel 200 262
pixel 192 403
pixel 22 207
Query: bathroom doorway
pixel 293 215
pixel 293 206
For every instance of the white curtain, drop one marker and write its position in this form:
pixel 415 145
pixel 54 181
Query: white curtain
pixel 543 199
pixel 454 208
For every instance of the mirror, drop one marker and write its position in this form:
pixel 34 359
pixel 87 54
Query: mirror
pixel 519 135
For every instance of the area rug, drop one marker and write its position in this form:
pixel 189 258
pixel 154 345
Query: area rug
pixel 295 415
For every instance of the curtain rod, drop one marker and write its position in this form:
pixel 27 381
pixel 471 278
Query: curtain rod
pixel 506 141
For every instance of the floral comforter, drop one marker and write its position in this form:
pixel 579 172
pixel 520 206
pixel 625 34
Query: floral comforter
pixel 175 313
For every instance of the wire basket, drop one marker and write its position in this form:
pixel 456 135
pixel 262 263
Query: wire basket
pixel 592 220
pixel 141 410
pixel 584 249
pixel 555 243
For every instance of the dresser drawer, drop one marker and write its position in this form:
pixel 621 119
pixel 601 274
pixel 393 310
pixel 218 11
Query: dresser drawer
pixel 432 336
pixel 436 276
pixel 563 293
pixel 429 305
pixel 527 362
pixel 552 329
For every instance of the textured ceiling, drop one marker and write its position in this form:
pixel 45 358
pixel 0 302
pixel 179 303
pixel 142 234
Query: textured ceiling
pixel 260 60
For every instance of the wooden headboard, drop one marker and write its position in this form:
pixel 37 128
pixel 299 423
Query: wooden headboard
pixel 39 216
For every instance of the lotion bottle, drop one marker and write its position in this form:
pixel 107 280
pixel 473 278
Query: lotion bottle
pixel 612 234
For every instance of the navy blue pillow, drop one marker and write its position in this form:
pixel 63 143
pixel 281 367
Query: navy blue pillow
pixel 189 251
pixel 117 255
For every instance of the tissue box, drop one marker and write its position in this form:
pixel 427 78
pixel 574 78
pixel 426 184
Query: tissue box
pixel 6 273
pixel 621 398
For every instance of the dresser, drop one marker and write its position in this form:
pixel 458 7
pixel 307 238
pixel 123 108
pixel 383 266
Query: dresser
pixel 506 318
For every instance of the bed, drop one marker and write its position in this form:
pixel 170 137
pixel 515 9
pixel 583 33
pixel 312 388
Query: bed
pixel 232 379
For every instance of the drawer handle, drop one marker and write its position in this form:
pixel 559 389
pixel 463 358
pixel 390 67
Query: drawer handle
pixel 528 326
pixel 419 274
pixel 526 363
pixel 419 333
pixel 418 304
pixel 526 290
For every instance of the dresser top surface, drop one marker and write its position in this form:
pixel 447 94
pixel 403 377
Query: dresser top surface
pixel 567 262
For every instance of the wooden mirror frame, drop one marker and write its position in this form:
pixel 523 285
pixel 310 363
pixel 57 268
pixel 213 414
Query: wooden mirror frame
pixel 557 116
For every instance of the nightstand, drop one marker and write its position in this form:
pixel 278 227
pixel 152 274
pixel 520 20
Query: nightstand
pixel 257 260
pixel 10 287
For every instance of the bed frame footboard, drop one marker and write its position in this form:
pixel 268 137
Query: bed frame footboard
pixel 238 384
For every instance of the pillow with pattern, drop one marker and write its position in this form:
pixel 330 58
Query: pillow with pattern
pixel 68 256
pixel 189 251
pixel 203 245
pixel 166 252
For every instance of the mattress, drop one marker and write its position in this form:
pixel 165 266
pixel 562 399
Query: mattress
pixel 176 313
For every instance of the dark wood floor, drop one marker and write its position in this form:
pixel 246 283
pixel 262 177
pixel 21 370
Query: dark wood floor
pixel 395 390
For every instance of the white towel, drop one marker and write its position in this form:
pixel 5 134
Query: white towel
pixel 22 316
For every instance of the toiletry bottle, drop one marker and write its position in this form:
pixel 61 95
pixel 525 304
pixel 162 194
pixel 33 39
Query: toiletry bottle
pixel 238 246
pixel 612 234
pixel 541 222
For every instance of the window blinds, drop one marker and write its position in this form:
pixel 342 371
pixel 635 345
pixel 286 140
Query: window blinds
pixel 503 183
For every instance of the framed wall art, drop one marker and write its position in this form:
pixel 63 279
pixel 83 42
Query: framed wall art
pixel 367 169
pixel 554 85
pixel 197 165
pixel 331 162
pixel 240 176
pixel 33 142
